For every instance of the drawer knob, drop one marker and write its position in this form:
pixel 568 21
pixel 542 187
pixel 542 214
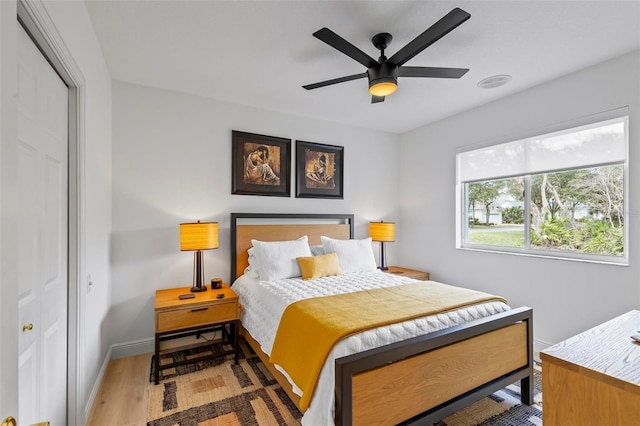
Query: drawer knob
pixel 199 309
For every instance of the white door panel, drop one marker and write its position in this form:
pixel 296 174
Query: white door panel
pixel 42 227
pixel 51 375
pixel 28 311
pixel 28 386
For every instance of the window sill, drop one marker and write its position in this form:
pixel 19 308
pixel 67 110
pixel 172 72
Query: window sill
pixel 623 261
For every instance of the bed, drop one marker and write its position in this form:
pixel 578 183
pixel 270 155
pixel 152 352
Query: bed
pixel 417 380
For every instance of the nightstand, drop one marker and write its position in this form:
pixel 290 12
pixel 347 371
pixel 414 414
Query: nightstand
pixel 406 272
pixel 203 313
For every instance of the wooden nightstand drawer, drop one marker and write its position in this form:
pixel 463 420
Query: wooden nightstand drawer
pixel 196 316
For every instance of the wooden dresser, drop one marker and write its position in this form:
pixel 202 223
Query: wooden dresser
pixel 594 378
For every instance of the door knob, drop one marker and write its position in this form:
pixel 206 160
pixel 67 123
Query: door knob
pixel 9 421
pixel 27 327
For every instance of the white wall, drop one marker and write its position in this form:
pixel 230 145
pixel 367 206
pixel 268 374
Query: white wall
pixel 567 297
pixel 172 164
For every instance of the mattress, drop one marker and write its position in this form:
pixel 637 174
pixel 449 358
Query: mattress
pixel 264 302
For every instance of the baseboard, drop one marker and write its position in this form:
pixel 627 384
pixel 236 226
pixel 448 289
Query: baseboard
pixel 117 351
pixel 539 345
pixel 96 384
pixel 137 347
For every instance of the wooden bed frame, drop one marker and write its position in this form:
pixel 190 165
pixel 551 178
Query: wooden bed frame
pixel 416 381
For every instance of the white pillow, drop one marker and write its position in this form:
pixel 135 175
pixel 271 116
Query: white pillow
pixel 277 259
pixel 253 269
pixel 354 255
pixel 317 250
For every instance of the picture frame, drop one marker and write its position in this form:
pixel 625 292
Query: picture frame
pixel 319 170
pixel 260 165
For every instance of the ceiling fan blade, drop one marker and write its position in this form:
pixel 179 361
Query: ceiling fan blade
pixel 376 99
pixel 335 81
pixel 337 42
pixel 434 33
pixel 432 72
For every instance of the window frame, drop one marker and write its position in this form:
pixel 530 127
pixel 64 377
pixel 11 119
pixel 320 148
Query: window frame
pixel 462 201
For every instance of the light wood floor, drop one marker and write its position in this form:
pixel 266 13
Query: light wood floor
pixel 123 397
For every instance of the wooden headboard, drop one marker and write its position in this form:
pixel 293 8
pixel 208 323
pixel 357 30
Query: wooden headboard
pixel 282 227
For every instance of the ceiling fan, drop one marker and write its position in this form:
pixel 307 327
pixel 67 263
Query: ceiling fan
pixel 383 74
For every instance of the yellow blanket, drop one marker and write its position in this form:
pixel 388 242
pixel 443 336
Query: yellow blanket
pixel 310 328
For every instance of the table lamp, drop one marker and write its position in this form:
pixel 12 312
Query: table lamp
pixel 383 232
pixel 197 237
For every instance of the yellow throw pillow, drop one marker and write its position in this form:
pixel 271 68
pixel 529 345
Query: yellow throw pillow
pixel 319 266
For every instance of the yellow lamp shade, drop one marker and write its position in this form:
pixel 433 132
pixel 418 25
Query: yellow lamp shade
pixel 198 236
pixel 383 88
pixel 382 231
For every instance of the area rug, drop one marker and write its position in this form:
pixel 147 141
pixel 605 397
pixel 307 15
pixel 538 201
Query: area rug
pixel 218 392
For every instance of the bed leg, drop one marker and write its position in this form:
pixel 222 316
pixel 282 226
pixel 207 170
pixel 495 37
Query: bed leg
pixel 526 383
pixel 526 390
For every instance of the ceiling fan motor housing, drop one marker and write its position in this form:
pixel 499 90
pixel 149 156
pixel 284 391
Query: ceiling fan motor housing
pixel 383 73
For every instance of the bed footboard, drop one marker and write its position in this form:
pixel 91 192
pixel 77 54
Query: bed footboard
pixel 426 378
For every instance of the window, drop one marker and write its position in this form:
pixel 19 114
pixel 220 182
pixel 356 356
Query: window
pixel 559 194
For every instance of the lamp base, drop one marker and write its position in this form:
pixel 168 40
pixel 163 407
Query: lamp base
pixel 198 272
pixel 383 268
pixel 198 289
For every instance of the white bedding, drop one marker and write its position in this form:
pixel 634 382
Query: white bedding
pixel 264 302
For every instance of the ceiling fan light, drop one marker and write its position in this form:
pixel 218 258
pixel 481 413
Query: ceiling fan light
pixel 383 88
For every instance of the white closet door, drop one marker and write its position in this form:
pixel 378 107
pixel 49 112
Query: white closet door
pixel 42 249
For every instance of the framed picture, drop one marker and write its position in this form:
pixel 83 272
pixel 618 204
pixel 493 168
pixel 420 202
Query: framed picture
pixel 261 165
pixel 319 170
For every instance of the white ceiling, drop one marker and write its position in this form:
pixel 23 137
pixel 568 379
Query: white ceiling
pixel 260 53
